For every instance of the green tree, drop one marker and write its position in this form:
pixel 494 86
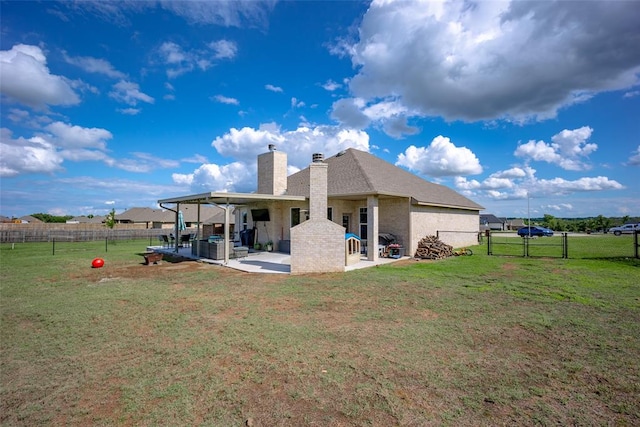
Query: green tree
pixel 549 221
pixel 110 220
pixel 603 223
pixel 45 217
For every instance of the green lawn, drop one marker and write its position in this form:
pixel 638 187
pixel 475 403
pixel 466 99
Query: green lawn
pixel 464 341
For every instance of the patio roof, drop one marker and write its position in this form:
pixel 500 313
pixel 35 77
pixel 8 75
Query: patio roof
pixel 230 198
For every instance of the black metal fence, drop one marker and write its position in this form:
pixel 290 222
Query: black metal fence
pixel 564 245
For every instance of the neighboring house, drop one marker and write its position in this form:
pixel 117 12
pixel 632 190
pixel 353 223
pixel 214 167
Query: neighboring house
pixel 151 218
pixel 164 218
pixel 97 219
pixel 515 224
pixel 28 219
pixel 492 222
pixel 310 211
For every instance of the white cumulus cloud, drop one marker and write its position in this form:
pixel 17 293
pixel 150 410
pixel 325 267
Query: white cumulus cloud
pixel 440 158
pixel 244 145
pixel 129 93
pixel 634 160
pixel 180 60
pixel 273 88
pixel 224 49
pixel 521 183
pixel 94 65
pixel 233 177
pixel 27 79
pixel 484 60
pixel 226 100
pixel 566 149
pixel 72 136
pixel 33 155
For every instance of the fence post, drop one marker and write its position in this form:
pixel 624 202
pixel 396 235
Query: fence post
pixel 635 243
pixel 525 246
pixel 106 244
pixel 565 246
pixel 54 246
pixel 488 234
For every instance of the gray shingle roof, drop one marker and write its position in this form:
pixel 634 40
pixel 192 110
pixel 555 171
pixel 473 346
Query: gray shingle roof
pixel 358 173
pixel 208 215
pixel 144 215
pixel 490 218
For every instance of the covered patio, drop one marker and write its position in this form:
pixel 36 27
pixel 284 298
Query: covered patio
pixel 224 201
pixel 261 261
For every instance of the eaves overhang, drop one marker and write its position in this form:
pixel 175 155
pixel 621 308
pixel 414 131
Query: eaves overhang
pixel 444 205
pixel 230 198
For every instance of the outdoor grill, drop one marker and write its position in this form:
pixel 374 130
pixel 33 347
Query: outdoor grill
pixel 388 246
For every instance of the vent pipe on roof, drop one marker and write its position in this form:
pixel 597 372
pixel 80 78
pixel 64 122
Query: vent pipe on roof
pixel 272 147
pixel 317 157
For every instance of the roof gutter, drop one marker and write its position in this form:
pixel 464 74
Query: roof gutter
pixel 443 205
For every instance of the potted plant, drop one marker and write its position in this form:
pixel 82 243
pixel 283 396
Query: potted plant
pixel 257 246
pixel 268 246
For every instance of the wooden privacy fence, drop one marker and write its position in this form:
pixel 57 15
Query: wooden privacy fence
pixel 23 233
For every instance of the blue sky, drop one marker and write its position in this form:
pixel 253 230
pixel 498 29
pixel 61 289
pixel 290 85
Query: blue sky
pixel 118 104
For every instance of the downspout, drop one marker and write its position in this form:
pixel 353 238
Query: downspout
pixel 176 230
pixel 175 225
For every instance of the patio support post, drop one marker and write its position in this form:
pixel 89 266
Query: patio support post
pixel 198 233
pixel 372 228
pixel 226 233
pixel 176 237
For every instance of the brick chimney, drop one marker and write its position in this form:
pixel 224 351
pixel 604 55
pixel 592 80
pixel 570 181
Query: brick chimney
pixel 318 172
pixel 272 172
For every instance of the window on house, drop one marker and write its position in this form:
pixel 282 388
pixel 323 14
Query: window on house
pixel 244 220
pixel 295 216
pixel 346 219
pixel 298 215
pixel 363 223
pixel 330 213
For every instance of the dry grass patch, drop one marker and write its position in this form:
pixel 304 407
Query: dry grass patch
pixel 464 341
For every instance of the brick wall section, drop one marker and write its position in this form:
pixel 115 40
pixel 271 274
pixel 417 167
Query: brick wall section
pixel 272 173
pixel 427 221
pixel 318 190
pixel 317 246
pixel 394 214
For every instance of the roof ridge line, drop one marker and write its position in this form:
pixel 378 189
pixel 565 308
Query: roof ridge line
pixel 364 172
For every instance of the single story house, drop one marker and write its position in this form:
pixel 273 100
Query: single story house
pixel 211 216
pixel 309 213
pixel 515 224
pixel 97 219
pixel 492 222
pixel 28 219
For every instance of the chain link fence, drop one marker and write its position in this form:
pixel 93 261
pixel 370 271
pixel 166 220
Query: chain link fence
pixel 563 245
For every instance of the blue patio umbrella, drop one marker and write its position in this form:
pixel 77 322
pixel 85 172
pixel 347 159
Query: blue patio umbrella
pixel 181 225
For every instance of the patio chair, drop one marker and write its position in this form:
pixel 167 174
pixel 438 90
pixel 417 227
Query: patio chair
pixel 185 240
pixel 166 241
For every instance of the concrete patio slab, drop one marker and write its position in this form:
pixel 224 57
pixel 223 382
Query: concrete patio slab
pixel 262 262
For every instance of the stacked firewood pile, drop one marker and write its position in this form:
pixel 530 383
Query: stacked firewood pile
pixel 430 247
